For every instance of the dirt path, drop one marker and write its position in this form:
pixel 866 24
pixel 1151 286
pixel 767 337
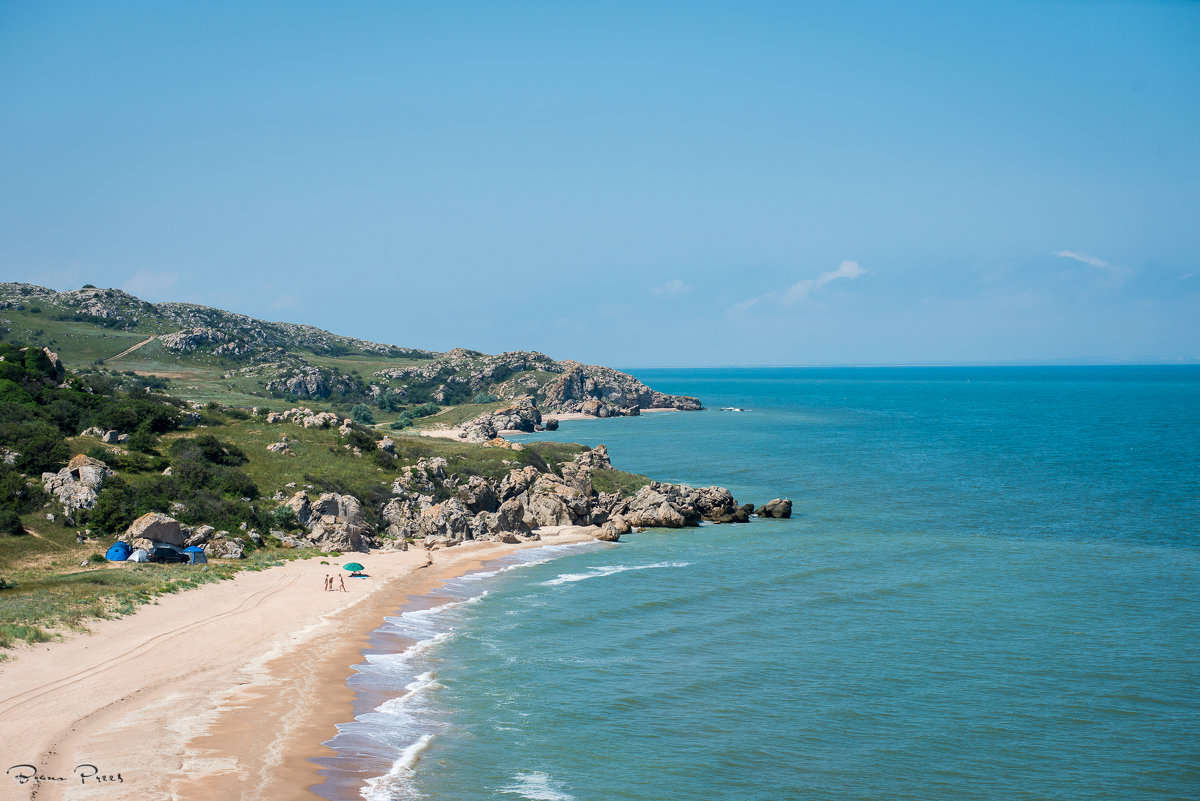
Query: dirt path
pixel 128 351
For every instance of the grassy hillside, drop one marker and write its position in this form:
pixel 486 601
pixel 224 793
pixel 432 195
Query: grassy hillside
pixel 179 382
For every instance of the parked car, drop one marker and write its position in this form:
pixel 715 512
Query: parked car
pixel 165 553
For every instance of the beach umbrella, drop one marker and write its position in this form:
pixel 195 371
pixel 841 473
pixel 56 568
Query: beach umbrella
pixel 354 566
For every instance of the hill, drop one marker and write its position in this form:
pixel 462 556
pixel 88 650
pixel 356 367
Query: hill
pixel 120 419
pixel 210 354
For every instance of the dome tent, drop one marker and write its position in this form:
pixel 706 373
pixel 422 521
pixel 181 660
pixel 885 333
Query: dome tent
pixel 119 552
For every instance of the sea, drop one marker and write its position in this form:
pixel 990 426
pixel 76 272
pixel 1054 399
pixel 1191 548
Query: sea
pixel 989 588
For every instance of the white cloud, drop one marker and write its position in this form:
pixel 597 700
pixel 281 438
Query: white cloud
pixel 802 289
pixel 150 285
pixel 1091 261
pixel 672 289
pixel 1115 272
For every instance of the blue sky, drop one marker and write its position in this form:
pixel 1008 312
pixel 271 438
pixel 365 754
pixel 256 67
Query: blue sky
pixel 624 183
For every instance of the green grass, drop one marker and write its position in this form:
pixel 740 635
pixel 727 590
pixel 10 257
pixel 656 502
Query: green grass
pixel 43 602
pixel 363 364
pixel 618 481
pixel 77 344
pixel 453 416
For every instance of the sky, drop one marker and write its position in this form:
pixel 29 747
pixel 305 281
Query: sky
pixel 632 184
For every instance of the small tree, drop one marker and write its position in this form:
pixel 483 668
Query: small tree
pixel 361 414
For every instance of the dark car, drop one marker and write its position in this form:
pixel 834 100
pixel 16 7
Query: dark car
pixel 165 553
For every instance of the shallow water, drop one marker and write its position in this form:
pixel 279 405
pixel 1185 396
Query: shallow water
pixel 988 590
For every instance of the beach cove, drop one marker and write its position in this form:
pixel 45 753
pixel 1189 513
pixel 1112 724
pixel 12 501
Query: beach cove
pixel 225 691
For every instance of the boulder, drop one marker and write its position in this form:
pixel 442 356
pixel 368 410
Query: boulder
pixel 232 549
pixel 158 527
pixel 448 521
pixel 199 535
pixel 56 364
pixel 478 495
pixel 509 518
pixel 777 508
pixel 336 523
pixel 77 485
pixel 111 437
pixel 546 509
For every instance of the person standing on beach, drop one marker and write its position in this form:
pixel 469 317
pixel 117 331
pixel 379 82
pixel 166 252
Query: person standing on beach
pixel 328 582
pixel 342 581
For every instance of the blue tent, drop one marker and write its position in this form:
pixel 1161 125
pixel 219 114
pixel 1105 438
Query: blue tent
pixel 196 555
pixel 119 552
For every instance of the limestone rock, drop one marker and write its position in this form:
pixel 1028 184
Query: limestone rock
pixel 337 523
pixel 199 535
pixel 478 495
pixel 158 527
pixel 78 484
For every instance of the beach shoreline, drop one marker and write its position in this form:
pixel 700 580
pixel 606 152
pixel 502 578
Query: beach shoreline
pixel 224 691
pixel 457 432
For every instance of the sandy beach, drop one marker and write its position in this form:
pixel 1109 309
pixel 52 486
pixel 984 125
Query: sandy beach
pixel 456 432
pixel 222 692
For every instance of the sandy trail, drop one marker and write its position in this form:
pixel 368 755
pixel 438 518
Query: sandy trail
pixel 130 350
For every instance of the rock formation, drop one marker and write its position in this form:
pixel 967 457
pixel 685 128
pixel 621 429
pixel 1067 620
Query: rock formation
pixel 334 522
pixel 156 527
pixel 78 484
pixel 779 507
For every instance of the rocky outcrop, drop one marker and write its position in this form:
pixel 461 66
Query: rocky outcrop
pixel 56 364
pixel 198 535
pixel 77 485
pixel 526 499
pixel 334 522
pixel 310 382
pixel 520 415
pixel 778 508
pixel 676 505
pixel 604 392
pixel 190 339
pixel 156 527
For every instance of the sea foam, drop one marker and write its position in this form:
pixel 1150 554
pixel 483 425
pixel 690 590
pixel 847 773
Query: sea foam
pixel 607 570
pixel 536 786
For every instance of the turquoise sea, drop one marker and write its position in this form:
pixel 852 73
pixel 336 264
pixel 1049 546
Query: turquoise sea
pixel 989 589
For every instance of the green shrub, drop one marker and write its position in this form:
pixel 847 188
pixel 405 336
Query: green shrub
pixel 10 523
pixel 284 517
pixel 143 439
pixel 361 414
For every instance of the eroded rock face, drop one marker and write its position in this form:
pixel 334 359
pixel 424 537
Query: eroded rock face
pixel 478 495
pixel 520 415
pixel 189 339
pixel 605 392
pixel 512 508
pixel 198 535
pixel 157 527
pixel 78 484
pixel 334 522
pixel 678 505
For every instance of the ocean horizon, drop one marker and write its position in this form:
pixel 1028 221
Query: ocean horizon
pixel 986 590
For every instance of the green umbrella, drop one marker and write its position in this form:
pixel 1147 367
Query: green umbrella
pixel 354 566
